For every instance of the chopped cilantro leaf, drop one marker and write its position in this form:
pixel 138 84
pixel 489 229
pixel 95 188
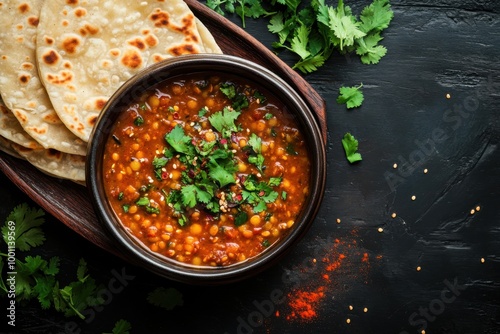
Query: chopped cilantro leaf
pixel 121 327
pixel 229 90
pixel 290 149
pixel 351 147
pixel 203 111
pixel 351 96
pixel 143 201
pixel 138 121
pixel 241 218
pixel 266 243
pixel 220 174
pixel 178 140
pixel 26 228
pixel 125 207
pixel 223 121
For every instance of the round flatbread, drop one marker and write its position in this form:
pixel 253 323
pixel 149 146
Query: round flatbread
pixel 6 147
pixel 20 86
pixel 54 163
pixel 11 129
pixel 86 49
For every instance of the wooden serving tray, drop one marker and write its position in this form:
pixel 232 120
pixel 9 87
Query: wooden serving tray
pixel 70 203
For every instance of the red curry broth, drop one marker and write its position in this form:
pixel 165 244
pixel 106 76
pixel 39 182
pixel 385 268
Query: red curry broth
pixel 206 170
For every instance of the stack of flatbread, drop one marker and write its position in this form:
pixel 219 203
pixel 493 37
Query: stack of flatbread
pixel 61 60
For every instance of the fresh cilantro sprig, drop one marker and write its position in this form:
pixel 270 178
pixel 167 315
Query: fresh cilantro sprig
pixel 121 327
pixel 352 97
pixel 255 148
pixel 350 145
pixel 314 30
pixel 223 121
pixel 243 8
pixel 36 277
pixel 27 230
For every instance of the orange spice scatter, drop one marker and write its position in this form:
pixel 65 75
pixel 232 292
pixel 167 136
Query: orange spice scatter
pixel 304 304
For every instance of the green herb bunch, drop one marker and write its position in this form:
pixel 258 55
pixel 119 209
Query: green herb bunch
pixel 313 30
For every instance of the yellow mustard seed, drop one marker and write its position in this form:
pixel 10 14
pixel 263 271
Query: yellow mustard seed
pixel 393 215
pixel 413 197
pixel 380 230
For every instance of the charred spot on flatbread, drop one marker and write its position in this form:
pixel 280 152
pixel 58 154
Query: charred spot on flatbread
pixel 24 8
pixel 132 59
pixel 51 57
pixel 71 43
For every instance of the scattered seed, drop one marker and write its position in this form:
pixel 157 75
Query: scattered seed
pixel 348 320
pixel 426 171
pixel 478 208
pixel 413 197
pixel 393 215
pixel 448 96
pixel 338 220
pixel 419 268
pixel 472 211
pixel 351 308
pixel 314 260
pixel 482 260
pixel 380 230
pixel 365 309
pixel 395 166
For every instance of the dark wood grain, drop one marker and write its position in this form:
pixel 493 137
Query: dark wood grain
pixel 69 202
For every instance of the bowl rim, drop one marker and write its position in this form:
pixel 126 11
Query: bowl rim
pixel 155 74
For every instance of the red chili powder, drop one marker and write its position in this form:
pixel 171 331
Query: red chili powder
pixel 304 303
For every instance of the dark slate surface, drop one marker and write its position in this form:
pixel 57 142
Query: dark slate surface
pixel 435 48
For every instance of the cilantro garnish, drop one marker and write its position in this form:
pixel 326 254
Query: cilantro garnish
pixel 202 111
pixel 146 204
pixel 241 218
pixel 36 277
pixel 229 90
pixel 121 327
pixel 138 121
pixel 27 227
pixel 351 148
pixel 243 8
pixel 256 157
pixel 178 140
pixel 258 194
pixel 238 99
pixel 223 121
pixel 352 97
pixel 313 31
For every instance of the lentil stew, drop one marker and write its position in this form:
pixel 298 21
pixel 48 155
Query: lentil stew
pixel 207 170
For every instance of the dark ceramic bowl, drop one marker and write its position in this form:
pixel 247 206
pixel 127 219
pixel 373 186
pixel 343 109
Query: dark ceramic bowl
pixel 133 249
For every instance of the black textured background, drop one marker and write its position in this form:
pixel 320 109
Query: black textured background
pixel 435 48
